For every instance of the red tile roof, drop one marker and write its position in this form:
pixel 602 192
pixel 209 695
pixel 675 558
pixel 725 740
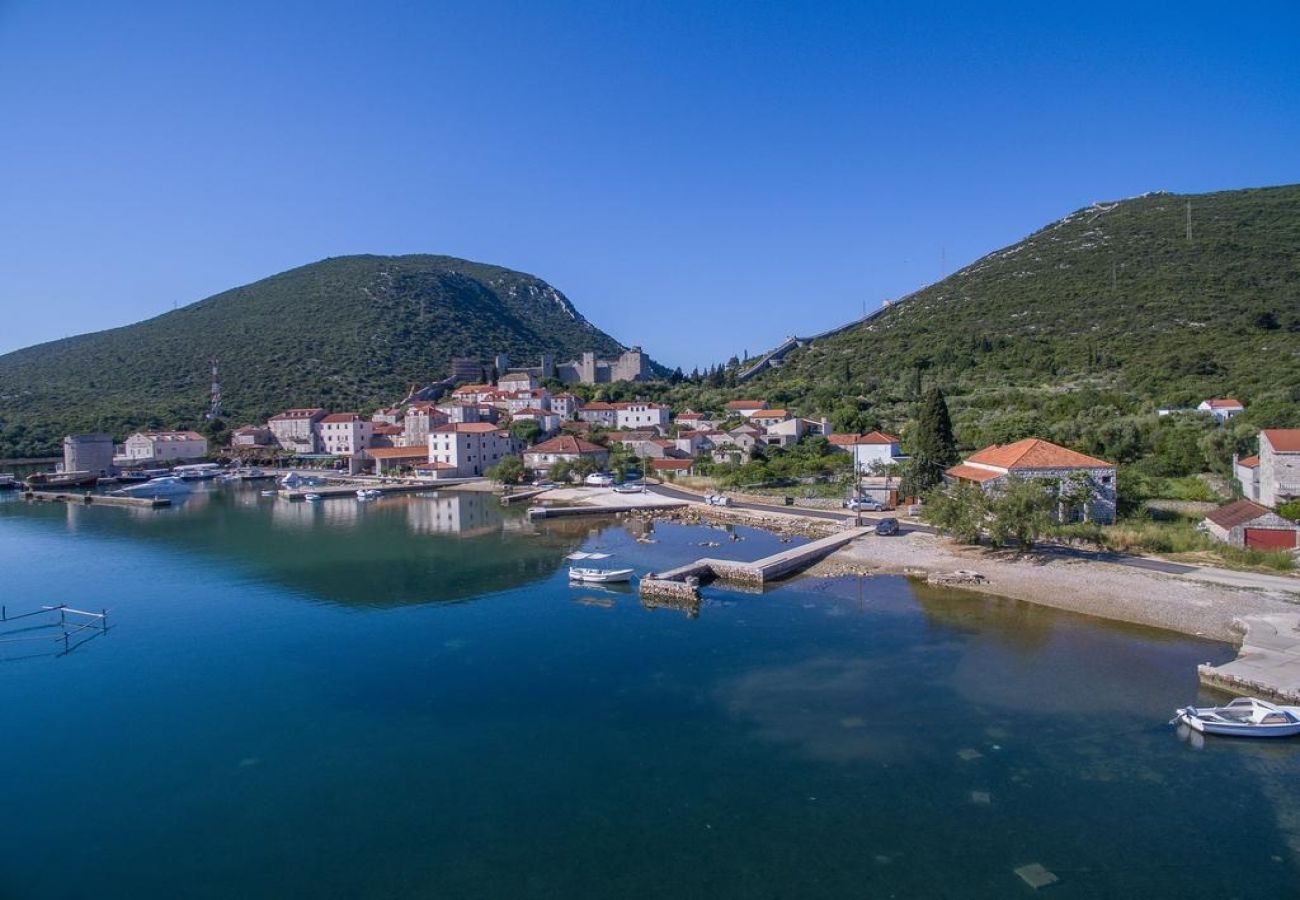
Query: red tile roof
pixel 1033 453
pixel 1248 461
pixel 298 414
pixel 599 406
pixel 770 414
pixel 466 428
pixel 874 437
pixel 1284 440
pixel 566 443
pixel 690 414
pixel 343 417
pixel 673 464
pixel 1238 513
pixel 972 473
pixel 747 404
pixel 398 452
pixel 533 411
pixel 385 428
pixel 1226 403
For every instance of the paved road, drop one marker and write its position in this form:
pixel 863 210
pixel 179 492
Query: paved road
pixel 831 515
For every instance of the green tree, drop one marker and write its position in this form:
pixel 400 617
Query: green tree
pixel 935 448
pixel 509 471
pixel 526 431
pixel 1021 510
pixel 958 510
pixel 561 471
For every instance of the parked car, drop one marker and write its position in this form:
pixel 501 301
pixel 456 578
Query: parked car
pixel 887 527
pixel 717 500
pixel 864 504
pixel 544 483
pixel 600 479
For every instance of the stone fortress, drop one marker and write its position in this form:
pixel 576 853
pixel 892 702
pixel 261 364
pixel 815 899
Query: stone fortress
pixel 631 365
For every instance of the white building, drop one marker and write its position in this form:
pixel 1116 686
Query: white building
pixel 641 415
pixel 513 382
pixel 344 434
pixel 520 400
pixel 1223 410
pixel 599 413
pixel 567 448
pixel 566 405
pixel 164 446
pixel 468 449
pixel 420 419
pixel 875 448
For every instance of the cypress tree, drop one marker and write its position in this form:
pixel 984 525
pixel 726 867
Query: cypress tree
pixel 935 449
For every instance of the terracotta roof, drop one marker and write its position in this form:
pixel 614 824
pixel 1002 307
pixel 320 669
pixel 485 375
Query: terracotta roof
pixel 172 435
pixel 343 417
pixel 1033 453
pixel 972 473
pixel 576 426
pixel 398 452
pixel 599 406
pixel 298 414
pixel 1284 440
pixel 566 443
pixel 1248 461
pixel 677 464
pixel 465 428
pixel 1227 403
pixel 690 414
pixel 746 404
pixel 533 411
pixel 770 414
pixel 1235 514
pixel 437 465
pixel 874 437
pixel 473 389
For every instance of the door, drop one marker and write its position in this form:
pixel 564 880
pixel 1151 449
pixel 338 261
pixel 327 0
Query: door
pixel 1270 538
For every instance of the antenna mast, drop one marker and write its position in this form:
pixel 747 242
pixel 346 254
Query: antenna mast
pixel 214 406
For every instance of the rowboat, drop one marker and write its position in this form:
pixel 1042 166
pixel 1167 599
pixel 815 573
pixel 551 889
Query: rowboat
pixel 598 576
pixel 1243 717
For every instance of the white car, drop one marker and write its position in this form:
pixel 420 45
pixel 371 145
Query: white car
pixel 717 500
pixel 600 479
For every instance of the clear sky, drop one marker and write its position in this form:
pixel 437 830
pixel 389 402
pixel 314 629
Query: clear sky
pixel 701 178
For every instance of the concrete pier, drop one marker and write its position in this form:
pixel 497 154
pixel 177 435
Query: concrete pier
pixel 553 512
pixel 327 491
pixel 88 499
pixel 1268 662
pixel 683 581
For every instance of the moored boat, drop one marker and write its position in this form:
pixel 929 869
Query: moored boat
pixel 57 480
pixel 312 497
pixel 1243 717
pixel 155 487
pixel 598 576
pixel 369 494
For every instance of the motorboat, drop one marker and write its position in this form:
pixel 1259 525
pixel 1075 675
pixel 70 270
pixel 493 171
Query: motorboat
pixel 312 497
pixel 598 576
pixel 7 481
pixel 269 493
pixel 369 494
pixel 293 479
pixel 632 487
pixel 599 479
pixel 577 555
pixel 155 487
pixel 1243 717
pixel 198 471
pixel 56 480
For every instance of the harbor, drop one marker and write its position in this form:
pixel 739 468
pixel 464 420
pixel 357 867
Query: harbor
pixel 88 498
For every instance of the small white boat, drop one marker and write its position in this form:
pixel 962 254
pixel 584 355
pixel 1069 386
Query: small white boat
pixel 155 487
pixel 293 479
pixel 599 576
pixel 268 493
pixel 1243 717
pixel 634 487
pixel 311 498
pixel 599 479
pixel 198 471
pixel 582 554
pixel 369 494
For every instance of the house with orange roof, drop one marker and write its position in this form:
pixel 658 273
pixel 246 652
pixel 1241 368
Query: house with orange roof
pixel 876 448
pixel 1032 458
pixel 599 413
pixel 1279 466
pixel 295 429
pixel 344 434
pixel 566 448
pixel 746 408
pixel 546 420
pixel 1246 470
pixel 565 405
pixel 468 449
pixel 1222 409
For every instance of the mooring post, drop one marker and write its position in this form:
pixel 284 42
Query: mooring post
pixel 103 619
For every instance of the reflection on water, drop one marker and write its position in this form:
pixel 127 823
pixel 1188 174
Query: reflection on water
pixel 828 738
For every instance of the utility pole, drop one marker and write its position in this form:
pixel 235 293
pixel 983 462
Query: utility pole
pixel 214 406
pixel 1189 221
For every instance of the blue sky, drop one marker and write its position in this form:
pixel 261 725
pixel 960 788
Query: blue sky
pixel 698 178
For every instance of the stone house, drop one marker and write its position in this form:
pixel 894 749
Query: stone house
pixel 869 450
pixel 468 449
pixel 459 411
pixel 790 431
pixel 1073 472
pixel 513 382
pixel 420 419
pixel 1279 466
pixel 295 429
pixel 547 421
pixel 165 446
pixel 1246 471
pixel 599 413
pixel 1251 525
pixel 566 405
pixel 252 436
pixel 344 434
pixel 566 447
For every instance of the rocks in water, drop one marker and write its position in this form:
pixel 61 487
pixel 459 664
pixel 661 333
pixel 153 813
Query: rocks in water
pixel 961 576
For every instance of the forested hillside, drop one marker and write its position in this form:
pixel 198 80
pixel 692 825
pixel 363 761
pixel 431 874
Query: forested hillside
pixel 342 333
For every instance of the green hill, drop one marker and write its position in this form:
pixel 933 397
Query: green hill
pixel 342 333
pixel 1080 331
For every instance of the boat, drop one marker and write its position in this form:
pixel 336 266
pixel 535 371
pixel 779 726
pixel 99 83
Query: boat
pixel 312 497
pixel 1243 717
pixel 56 480
pixel 583 554
pixel 269 493
pixel 634 487
pixel 7 481
pixel 599 479
pixel 598 576
pixel 255 475
pixel 369 494
pixel 293 479
pixel 197 471
pixel 155 487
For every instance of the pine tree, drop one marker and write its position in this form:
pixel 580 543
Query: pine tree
pixel 935 448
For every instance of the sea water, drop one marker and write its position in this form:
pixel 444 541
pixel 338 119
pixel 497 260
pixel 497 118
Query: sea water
pixel 406 698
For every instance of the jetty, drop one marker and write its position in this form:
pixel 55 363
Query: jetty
pixel 326 491
pixel 1267 663
pixel 681 585
pixel 89 499
pixel 553 512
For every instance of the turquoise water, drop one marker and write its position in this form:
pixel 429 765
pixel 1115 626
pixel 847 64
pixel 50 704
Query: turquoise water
pixel 406 699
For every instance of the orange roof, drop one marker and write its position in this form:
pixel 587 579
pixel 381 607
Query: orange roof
pixel 437 465
pixel 680 464
pixel 599 406
pixel 1249 461
pixel 1033 453
pixel 466 428
pixel 342 417
pixel 747 404
pixel 770 414
pixel 1284 440
pixel 690 414
pixel 1226 403
pixel 298 414
pixel 533 411
pixel 972 473
pixel 389 429
pixel 1238 513
pixel 566 443
pixel 874 437
pixel 398 452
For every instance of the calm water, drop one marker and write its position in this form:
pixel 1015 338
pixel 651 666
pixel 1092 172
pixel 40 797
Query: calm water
pixel 406 699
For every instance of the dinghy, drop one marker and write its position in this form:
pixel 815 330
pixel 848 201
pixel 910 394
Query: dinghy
pixel 1243 717
pixel 581 554
pixel 598 576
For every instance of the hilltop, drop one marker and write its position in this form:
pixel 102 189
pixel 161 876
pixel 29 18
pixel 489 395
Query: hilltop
pixel 343 333
pixel 1078 332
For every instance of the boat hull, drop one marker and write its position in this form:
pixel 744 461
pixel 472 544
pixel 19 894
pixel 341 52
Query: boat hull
pixel 599 576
